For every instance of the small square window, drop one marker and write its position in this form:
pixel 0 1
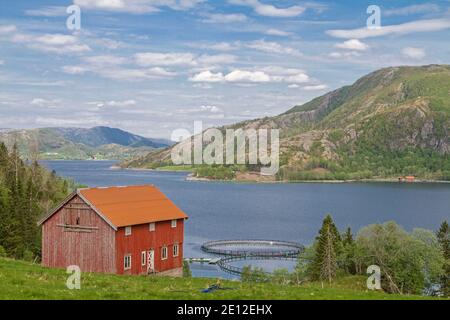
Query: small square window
pixel 152 227
pixel 175 250
pixel 143 258
pixel 174 223
pixel 128 231
pixel 127 262
pixel 164 253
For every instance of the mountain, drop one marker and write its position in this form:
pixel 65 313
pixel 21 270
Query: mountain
pixel 80 143
pixel 392 122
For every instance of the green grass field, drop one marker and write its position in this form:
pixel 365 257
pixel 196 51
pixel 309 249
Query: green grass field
pixel 23 280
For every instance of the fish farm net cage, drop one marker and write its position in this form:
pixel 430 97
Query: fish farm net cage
pixel 253 248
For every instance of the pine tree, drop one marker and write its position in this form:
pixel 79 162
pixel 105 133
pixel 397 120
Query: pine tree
pixel 443 236
pixel 27 191
pixel 348 255
pixel 325 265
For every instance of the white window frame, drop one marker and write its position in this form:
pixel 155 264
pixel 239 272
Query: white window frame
pixel 176 250
pixel 144 258
pixel 166 251
pixel 174 223
pixel 127 256
pixel 128 231
pixel 152 227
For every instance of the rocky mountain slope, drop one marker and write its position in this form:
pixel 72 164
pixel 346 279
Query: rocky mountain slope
pixel 392 122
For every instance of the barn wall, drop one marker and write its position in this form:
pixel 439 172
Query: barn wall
pixel 142 239
pixel 93 250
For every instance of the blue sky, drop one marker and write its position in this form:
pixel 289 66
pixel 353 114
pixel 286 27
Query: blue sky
pixel 152 66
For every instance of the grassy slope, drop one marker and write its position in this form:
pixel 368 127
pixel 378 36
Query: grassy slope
pixel 22 280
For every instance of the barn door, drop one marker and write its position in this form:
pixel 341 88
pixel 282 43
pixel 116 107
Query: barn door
pixel 151 261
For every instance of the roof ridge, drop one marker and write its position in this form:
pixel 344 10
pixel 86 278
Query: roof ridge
pixel 118 187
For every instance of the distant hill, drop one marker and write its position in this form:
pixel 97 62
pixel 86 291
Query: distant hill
pixel 392 122
pixel 80 143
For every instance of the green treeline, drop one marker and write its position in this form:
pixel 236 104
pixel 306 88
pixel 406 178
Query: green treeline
pixel 27 191
pixel 416 262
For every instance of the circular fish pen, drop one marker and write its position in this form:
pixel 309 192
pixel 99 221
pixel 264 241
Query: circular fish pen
pixel 239 250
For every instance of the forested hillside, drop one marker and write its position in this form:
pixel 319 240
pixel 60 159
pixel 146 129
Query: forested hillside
pixel 390 123
pixel 27 191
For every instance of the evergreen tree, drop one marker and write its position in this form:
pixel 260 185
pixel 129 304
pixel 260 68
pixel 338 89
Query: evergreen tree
pixel 443 236
pixel 27 191
pixel 325 262
pixel 347 259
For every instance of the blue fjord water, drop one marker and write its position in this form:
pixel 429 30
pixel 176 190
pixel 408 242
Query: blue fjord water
pixel 293 212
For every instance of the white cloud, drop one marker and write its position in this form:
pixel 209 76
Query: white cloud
pixel 207 76
pixel 414 53
pixel 317 87
pixel 276 32
pixel 2 62
pixel 223 46
pixel 225 18
pixel 349 54
pixel 105 60
pixel 264 75
pixel 399 29
pixel 39 102
pixel 137 6
pixel 413 9
pixel 247 76
pixel 47 11
pixel 54 43
pixel 131 74
pixel 216 59
pixel 353 44
pixel 74 69
pixel 164 59
pixel 273 47
pixel 7 29
pixel 270 10
pixel 113 103
pixel 147 59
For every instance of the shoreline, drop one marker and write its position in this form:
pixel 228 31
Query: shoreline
pixel 190 177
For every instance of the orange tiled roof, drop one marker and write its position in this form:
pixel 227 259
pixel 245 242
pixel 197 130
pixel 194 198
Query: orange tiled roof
pixel 133 205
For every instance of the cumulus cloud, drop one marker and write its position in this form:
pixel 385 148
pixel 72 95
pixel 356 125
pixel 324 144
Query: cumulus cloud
pixel 276 32
pixel 137 6
pixel 399 29
pixel 270 10
pixel 7 29
pixel 225 18
pixel 265 75
pixel 54 43
pixel 414 53
pixel 113 103
pixel 412 9
pixel 117 68
pixel 273 47
pixel 147 59
pixel 353 44
pixel 47 11
pixel 39 102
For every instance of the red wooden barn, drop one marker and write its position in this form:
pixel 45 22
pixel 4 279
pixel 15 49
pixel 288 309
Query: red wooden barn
pixel 123 230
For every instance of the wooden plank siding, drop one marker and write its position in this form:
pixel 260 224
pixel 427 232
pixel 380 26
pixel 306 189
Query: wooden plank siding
pixel 77 235
pixel 142 239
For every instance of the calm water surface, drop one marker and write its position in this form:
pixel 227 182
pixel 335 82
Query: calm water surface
pixel 293 212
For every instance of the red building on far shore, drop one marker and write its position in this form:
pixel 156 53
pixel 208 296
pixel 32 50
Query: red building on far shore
pixel 123 230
